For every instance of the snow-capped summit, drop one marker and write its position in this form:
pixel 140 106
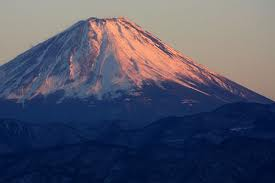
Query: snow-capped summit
pixel 106 59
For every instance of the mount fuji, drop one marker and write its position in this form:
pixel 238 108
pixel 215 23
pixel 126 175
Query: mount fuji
pixel 106 69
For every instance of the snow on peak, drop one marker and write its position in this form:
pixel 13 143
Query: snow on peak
pixel 101 57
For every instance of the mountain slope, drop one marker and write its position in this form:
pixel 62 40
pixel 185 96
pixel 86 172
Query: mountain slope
pixel 116 60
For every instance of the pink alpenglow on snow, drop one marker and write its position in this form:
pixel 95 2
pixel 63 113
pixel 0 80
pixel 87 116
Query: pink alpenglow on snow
pixel 100 57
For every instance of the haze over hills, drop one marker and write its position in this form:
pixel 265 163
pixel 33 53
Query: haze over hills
pixel 111 69
pixel 234 143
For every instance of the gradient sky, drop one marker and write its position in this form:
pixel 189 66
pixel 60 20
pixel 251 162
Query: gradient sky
pixel 235 38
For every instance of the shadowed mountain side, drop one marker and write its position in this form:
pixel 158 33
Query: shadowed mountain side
pixel 240 119
pixel 234 143
pixel 234 160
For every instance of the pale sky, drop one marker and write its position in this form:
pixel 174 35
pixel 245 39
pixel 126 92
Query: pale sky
pixel 235 38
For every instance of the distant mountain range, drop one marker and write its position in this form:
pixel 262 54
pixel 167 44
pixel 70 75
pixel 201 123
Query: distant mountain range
pixel 234 143
pixel 106 69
